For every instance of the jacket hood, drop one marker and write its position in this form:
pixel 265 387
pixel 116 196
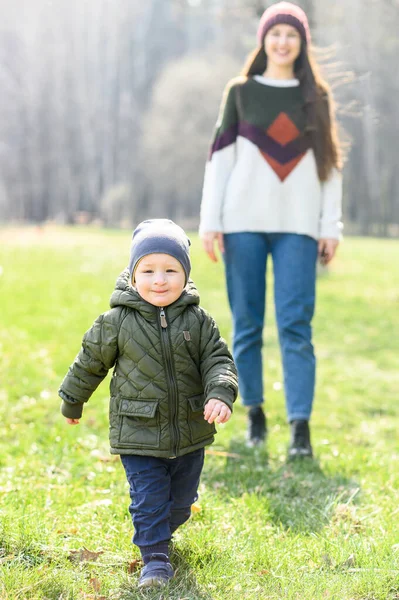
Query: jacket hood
pixel 125 294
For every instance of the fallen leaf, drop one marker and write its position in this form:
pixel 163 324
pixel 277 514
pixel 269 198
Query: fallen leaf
pixel 84 555
pixel 134 565
pixel 95 584
pixel 263 572
pixel 8 558
pixel 349 562
pixel 195 508
pixel 66 532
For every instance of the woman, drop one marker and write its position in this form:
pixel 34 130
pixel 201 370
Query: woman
pixel 273 186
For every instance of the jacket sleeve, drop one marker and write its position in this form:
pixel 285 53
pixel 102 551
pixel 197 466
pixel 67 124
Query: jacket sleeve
pixel 220 163
pixel 218 370
pixel 97 355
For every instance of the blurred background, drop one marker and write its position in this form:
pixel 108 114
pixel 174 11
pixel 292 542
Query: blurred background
pixel 107 106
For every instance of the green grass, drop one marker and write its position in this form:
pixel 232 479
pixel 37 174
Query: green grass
pixel 266 530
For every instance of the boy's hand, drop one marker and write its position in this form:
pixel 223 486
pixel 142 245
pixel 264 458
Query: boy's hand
pixel 72 421
pixel 216 410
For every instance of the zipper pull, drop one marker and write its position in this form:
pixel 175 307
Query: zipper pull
pixel 187 336
pixel 164 322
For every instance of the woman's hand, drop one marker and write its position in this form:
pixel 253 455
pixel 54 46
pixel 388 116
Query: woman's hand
pixel 216 410
pixel 208 241
pixel 327 249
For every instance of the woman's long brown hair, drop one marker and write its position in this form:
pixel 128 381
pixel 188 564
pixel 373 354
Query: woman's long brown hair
pixel 321 127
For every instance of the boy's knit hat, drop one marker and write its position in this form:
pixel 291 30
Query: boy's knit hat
pixel 160 236
pixel 287 13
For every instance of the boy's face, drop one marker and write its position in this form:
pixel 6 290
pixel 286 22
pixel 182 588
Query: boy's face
pixel 159 279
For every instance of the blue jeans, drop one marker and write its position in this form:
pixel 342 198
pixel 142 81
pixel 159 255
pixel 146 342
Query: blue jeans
pixel 294 267
pixel 162 491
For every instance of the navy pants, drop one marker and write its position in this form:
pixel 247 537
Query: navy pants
pixel 162 491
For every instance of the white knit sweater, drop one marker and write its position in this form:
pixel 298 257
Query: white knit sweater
pixel 259 177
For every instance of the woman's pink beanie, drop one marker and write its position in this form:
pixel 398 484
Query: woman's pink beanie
pixel 287 13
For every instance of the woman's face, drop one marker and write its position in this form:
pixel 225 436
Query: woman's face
pixel 282 45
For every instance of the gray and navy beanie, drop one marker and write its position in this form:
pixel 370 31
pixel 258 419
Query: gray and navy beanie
pixel 160 236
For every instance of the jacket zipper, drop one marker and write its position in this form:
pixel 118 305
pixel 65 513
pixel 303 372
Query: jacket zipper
pixel 171 380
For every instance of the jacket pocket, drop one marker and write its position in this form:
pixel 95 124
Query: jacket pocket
pixel 139 423
pixel 199 428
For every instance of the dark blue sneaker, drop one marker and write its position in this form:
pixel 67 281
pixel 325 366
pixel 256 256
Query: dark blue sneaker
pixel 156 573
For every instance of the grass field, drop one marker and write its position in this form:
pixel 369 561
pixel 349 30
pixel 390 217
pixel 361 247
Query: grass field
pixel 264 529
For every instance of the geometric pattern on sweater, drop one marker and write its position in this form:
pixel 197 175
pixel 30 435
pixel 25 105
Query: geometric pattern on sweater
pixel 284 132
pixel 244 187
pixel 281 147
pixel 271 118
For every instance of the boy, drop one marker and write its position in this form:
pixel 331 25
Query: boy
pixel 173 378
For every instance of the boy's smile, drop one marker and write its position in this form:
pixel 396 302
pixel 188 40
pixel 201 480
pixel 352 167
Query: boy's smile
pixel 159 279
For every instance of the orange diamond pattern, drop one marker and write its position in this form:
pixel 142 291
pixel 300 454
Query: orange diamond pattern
pixel 282 171
pixel 283 130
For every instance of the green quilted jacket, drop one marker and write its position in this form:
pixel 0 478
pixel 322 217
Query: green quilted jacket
pixel 167 364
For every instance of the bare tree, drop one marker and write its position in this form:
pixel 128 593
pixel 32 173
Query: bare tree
pixel 107 106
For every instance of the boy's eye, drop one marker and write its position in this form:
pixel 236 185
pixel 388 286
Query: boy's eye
pixel 148 271
pixel 170 270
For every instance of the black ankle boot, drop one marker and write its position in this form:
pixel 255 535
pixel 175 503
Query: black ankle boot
pixel 257 427
pixel 300 446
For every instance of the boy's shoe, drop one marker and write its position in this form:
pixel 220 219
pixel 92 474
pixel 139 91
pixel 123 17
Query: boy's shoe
pixel 155 573
pixel 257 427
pixel 300 446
